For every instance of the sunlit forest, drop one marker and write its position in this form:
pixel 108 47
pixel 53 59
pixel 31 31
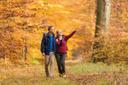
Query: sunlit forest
pixel 97 53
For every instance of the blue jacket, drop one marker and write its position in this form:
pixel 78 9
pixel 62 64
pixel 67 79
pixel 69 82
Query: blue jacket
pixel 45 44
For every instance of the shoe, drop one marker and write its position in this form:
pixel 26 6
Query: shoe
pixel 64 76
pixel 60 75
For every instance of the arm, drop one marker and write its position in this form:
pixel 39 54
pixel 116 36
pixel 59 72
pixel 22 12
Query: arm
pixel 70 35
pixel 57 42
pixel 54 45
pixel 43 44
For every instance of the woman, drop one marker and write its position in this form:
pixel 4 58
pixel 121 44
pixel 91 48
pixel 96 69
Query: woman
pixel 61 51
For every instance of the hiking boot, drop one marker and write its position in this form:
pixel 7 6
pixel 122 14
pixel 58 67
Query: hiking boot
pixel 60 75
pixel 64 76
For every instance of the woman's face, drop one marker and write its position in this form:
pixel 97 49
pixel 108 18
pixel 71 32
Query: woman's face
pixel 59 33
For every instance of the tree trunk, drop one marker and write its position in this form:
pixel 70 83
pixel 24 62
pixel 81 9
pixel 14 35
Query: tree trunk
pixel 102 25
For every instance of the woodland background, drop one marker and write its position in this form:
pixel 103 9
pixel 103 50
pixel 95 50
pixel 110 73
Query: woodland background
pixel 23 22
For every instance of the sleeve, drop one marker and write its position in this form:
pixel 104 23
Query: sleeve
pixel 54 45
pixel 57 42
pixel 43 44
pixel 70 35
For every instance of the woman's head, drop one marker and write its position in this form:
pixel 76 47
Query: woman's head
pixel 59 33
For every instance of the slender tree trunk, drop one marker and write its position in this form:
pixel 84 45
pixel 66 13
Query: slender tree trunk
pixel 102 25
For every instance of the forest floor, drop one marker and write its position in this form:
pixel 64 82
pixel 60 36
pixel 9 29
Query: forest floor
pixel 77 74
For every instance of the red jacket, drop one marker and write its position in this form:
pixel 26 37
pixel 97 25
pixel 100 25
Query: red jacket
pixel 61 45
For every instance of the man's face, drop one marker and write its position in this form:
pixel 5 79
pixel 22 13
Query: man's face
pixel 51 30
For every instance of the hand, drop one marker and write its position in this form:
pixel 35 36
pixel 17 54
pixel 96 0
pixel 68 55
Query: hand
pixel 43 54
pixel 78 31
pixel 56 40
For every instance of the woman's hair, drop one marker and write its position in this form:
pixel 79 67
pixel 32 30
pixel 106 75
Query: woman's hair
pixel 57 33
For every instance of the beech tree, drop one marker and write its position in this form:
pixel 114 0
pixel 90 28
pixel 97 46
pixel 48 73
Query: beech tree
pixel 102 25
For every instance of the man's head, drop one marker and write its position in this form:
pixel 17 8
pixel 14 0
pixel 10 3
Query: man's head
pixel 51 29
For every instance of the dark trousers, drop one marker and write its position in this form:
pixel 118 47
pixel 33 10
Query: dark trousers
pixel 60 58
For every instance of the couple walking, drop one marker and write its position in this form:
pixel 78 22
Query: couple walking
pixel 51 46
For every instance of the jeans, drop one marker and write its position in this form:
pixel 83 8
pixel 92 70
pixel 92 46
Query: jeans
pixel 60 58
pixel 49 60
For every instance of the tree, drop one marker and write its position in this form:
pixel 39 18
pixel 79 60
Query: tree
pixel 102 25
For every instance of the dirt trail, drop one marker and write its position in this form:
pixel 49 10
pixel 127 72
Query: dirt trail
pixel 37 72
pixel 100 78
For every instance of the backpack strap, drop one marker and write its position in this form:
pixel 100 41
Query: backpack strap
pixel 45 34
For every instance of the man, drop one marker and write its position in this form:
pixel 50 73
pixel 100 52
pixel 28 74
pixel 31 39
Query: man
pixel 48 47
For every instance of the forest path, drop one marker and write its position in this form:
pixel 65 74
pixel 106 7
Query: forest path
pixel 77 74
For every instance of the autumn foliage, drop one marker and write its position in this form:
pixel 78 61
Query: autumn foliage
pixel 22 23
